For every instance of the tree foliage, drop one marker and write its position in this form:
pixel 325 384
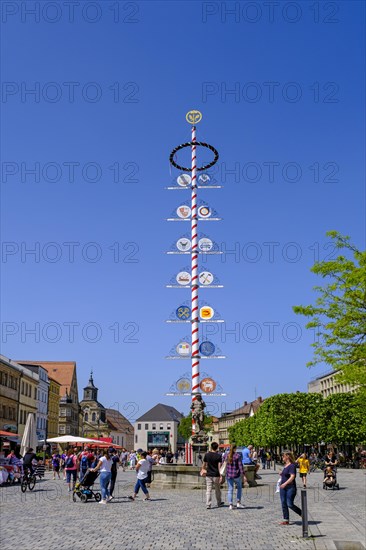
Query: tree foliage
pixel 339 313
pixel 185 426
pixel 302 418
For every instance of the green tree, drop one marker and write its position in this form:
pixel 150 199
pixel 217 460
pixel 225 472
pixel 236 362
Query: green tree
pixel 185 426
pixel 344 419
pixel 283 419
pixel 339 313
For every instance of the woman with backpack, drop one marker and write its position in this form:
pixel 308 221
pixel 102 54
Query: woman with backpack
pixel 71 468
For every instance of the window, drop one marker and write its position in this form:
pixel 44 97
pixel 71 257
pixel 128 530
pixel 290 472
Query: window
pixel 86 417
pixel 5 379
pixel 161 427
pixel 93 417
pixel 146 426
pixel 62 429
pixel 10 381
pixel 22 388
pixel 138 427
pixel 1 378
pixel 153 427
pixel 135 438
pixel 168 427
pixel 62 412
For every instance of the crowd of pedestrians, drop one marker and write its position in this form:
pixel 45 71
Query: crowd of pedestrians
pixel 73 464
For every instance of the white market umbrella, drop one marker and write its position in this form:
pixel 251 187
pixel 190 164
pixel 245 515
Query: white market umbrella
pixel 73 439
pixel 29 438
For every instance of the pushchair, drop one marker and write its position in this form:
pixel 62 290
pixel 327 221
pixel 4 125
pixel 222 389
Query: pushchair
pixel 83 488
pixel 330 478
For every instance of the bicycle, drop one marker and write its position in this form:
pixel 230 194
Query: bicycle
pixel 29 480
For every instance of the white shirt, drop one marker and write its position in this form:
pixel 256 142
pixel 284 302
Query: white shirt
pixel 144 468
pixel 106 464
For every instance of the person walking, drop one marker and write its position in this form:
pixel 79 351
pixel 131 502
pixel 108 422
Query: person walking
pixel 288 487
pixel 56 459
pixel 234 476
pixel 105 466
pixel 71 469
pixel 133 460
pixel 304 467
pixel 115 461
pixel 142 469
pixel 211 464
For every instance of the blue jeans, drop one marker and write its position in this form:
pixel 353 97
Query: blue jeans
pixel 140 483
pixel 288 495
pixel 104 479
pixel 230 483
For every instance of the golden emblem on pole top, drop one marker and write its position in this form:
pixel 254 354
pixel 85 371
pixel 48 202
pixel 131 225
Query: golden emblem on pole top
pixel 193 117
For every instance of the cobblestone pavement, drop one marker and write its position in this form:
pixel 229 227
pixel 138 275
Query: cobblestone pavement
pixel 178 519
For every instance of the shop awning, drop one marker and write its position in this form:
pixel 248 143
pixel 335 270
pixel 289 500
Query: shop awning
pixel 8 434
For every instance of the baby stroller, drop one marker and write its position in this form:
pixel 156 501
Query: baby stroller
pixel 83 488
pixel 330 478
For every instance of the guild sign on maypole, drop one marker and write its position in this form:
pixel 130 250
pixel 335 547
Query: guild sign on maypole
pixel 195 312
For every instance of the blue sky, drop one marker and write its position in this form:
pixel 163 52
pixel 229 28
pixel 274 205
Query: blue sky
pixel 282 97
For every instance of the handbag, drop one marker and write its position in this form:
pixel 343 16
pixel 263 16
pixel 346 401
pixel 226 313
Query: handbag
pixel 223 468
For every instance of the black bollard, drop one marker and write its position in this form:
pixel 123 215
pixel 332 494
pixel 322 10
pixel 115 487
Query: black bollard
pixel 304 517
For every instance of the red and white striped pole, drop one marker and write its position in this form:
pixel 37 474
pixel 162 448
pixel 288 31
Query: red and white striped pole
pixel 194 274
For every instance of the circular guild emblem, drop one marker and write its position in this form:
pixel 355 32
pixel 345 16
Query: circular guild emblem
pixel 183 244
pixel 183 384
pixel 205 278
pixel 203 179
pixel 208 385
pixel 205 244
pixel 183 313
pixel 207 348
pixel 183 211
pixel 183 278
pixel 183 349
pixel 184 180
pixel 206 312
pixel 193 117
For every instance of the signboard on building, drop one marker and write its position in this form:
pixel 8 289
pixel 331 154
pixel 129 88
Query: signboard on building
pixel 157 439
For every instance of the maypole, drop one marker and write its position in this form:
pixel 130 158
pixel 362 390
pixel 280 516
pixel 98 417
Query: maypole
pixel 197 405
pixel 194 279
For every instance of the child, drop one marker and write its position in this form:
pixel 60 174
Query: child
pixel 304 467
pixel 329 476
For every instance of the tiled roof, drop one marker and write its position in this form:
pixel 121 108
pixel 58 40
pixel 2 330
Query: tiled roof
pixel 161 413
pixel 117 421
pixel 246 408
pixel 61 371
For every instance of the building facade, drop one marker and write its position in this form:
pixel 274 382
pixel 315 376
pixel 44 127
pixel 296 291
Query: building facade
pixel 229 419
pixel 53 407
pixel 28 396
pixel 158 428
pixel 42 401
pixel 327 384
pixel 121 430
pixel 64 372
pixel 9 395
pixel 94 413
